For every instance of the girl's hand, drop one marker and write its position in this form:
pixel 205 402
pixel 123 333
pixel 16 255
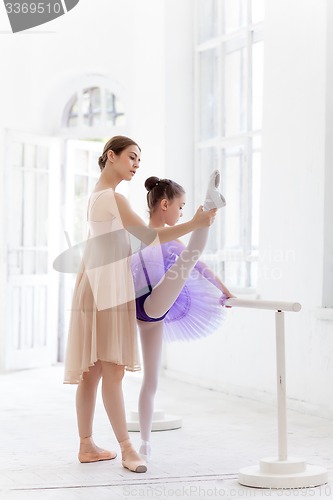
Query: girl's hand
pixel 229 295
pixel 204 218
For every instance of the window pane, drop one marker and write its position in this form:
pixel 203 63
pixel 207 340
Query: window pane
pixel 81 186
pixel 75 107
pixel 86 110
pixel 29 155
pixel 254 274
pixel 258 10
pixel 80 215
pixel 91 106
pixel 29 262
pixel 235 12
pixel 94 169
pixel 235 273
pixel 15 262
pixel 41 262
pixel 208 161
pixel 95 96
pixel 235 92
pixel 256 162
pixel 257 84
pixel 72 121
pixel 42 160
pixel 15 305
pixel 233 191
pixel 17 154
pixel 114 110
pixel 81 161
pixel 16 225
pixel 208 17
pixel 208 94
pixel 256 142
pixel 42 210
pixel 40 336
pixel 120 120
pixel 95 119
pixel 29 214
pixel 110 108
pixel 27 335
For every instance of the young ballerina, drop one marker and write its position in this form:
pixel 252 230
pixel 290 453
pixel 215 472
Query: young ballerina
pixel 190 301
pixel 102 340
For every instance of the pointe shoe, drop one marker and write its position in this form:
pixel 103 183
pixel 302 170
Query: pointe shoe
pixel 86 458
pixel 145 451
pixel 135 465
pixel 133 462
pixel 214 198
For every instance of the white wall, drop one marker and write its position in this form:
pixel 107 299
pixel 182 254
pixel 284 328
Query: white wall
pixel 241 357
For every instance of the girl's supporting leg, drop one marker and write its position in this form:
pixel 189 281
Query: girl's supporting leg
pixel 165 293
pixel 151 335
pixel 113 400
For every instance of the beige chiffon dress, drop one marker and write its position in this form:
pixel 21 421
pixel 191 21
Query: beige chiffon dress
pixel 103 315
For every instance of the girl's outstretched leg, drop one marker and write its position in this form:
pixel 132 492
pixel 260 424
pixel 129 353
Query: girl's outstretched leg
pixel 113 400
pixel 151 335
pixel 85 409
pixel 165 293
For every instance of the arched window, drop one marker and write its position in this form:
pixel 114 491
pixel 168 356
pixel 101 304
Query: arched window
pixel 93 109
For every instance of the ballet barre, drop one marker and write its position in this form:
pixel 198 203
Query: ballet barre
pixel 283 471
pixel 265 304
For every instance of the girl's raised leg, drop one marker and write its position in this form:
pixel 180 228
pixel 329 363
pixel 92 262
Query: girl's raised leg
pixel 165 293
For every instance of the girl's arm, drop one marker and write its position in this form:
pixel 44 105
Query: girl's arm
pixel 136 226
pixel 211 276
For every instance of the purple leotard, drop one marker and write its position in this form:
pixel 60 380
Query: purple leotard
pixel 140 300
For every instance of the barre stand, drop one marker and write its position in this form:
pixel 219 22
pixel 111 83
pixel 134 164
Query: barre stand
pixel 281 471
pixel 161 421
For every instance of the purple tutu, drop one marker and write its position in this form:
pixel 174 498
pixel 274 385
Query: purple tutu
pixel 198 310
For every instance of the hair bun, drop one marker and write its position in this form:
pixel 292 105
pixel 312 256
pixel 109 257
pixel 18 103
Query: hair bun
pixel 151 182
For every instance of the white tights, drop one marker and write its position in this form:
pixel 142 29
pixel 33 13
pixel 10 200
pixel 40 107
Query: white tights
pixel 162 297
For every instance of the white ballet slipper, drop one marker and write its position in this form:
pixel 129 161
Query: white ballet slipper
pixel 145 451
pixel 214 198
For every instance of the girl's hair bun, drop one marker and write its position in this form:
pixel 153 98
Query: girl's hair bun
pixel 151 182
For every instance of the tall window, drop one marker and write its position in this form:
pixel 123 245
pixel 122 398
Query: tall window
pixel 229 84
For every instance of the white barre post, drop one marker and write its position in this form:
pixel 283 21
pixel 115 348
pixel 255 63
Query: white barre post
pixel 281 386
pixel 281 472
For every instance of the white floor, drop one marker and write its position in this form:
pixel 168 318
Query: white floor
pixel 220 434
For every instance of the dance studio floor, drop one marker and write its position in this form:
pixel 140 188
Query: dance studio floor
pixel 219 435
